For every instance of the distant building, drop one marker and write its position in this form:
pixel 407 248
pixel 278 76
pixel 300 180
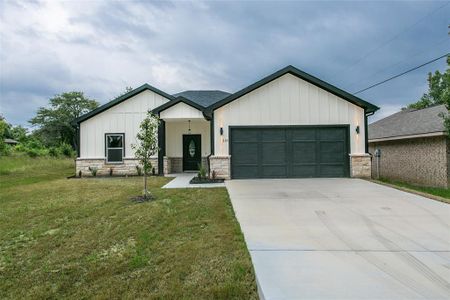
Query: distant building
pixel 11 142
pixel 414 146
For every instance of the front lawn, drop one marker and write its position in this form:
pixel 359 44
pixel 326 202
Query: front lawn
pixel 84 238
pixel 440 192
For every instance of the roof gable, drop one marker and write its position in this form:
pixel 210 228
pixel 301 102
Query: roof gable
pixel 119 100
pixel 302 75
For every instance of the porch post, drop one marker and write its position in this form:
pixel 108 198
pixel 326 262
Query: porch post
pixel 161 146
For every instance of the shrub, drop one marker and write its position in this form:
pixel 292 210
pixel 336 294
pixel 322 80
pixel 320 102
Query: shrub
pixel 32 152
pixel 153 171
pixel 66 150
pixel 213 174
pixel 53 151
pixel 139 170
pixel 111 170
pixel 80 173
pixel 201 171
pixel 93 171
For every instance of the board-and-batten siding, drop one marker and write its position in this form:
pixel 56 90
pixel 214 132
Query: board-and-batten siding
pixel 181 111
pixel 288 100
pixel 121 118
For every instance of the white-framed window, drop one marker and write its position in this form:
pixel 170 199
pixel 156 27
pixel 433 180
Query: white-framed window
pixel 114 147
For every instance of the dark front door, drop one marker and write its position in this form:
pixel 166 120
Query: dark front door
pixel 192 155
pixel 293 152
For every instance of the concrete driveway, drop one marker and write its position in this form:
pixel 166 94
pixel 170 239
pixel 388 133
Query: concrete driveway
pixel 343 239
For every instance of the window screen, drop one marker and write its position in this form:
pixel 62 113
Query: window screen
pixel 114 147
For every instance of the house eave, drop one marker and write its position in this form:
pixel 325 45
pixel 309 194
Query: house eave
pixel 411 136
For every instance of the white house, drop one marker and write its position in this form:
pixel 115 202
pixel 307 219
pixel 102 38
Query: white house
pixel 288 124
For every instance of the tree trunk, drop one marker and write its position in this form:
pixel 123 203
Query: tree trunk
pixel 145 185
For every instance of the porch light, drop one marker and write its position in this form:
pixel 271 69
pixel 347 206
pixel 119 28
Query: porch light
pixel 221 130
pixel 357 129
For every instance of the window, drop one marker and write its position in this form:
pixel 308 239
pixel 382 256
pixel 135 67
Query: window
pixel 114 147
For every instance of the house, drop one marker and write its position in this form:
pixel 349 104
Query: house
pixel 288 124
pixel 414 147
pixel 11 142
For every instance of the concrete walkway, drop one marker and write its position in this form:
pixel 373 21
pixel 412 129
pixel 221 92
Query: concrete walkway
pixel 181 180
pixel 343 239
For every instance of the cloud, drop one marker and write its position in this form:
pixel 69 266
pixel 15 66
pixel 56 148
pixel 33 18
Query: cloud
pixel 100 47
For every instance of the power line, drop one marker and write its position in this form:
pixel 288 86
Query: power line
pixel 398 63
pixel 396 36
pixel 401 74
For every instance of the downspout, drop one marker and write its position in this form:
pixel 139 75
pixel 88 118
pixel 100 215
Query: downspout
pixel 161 146
pixel 366 130
pixel 211 135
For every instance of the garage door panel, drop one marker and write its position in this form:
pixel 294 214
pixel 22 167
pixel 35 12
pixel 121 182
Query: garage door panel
pixel 330 170
pixel 273 153
pixel 272 171
pixel 245 135
pixel 303 171
pixel 273 135
pixel 331 152
pixel 301 134
pixel 332 134
pixel 304 152
pixel 307 151
pixel 245 172
pixel 245 153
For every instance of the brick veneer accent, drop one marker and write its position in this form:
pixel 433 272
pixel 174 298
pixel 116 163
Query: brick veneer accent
pixel 221 166
pixel 175 164
pixel 128 167
pixel 421 161
pixel 360 165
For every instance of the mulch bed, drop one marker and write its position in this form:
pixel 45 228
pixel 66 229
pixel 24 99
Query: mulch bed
pixel 197 180
pixel 141 199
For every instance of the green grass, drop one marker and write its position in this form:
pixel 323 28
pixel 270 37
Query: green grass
pixel 84 238
pixel 440 192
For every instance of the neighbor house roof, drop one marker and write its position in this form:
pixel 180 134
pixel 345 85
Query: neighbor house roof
pixel 409 123
pixel 370 108
pixel 11 141
pixel 204 98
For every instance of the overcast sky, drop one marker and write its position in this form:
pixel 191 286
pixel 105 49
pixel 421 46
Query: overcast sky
pixel 100 48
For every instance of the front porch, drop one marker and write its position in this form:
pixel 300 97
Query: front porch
pixel 184 137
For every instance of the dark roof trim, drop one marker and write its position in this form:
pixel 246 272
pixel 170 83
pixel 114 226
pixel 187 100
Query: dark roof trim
pixel 177 100
pixel 120 100
pixel 305 76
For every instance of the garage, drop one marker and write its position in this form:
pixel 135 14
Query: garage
pixel 289 151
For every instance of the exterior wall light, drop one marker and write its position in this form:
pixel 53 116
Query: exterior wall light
pixel 221 130
pixel 357 129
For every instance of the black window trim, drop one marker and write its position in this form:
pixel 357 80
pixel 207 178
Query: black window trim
pixel 106 147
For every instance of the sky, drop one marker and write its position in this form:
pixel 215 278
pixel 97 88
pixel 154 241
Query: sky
pixel 102 47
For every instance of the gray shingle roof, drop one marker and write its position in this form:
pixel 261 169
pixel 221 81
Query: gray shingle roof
pixel 409 122
pixel 203 98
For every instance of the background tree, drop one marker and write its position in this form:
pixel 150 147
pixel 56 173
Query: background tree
pixel 53 122
pixel 3 134
pixel 438 90
pixel 438 93
pixel 147 145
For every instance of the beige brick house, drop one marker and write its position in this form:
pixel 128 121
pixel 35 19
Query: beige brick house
pixel 414 147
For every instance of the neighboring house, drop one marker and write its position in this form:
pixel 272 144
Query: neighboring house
pixel 11 142
pixel 289 124
pixel 414 147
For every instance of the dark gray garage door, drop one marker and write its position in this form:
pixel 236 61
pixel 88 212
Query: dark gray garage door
pixel 281 152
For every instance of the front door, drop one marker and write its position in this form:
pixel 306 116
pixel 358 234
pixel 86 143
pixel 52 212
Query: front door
pixel 192 155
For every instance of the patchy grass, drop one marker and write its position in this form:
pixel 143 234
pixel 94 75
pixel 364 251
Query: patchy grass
pixel 442 193
pixel 84 238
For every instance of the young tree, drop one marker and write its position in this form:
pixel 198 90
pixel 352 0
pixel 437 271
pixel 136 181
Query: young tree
pixel 147 145
pixel 438 90
pixel 438 93
pixel 54 121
